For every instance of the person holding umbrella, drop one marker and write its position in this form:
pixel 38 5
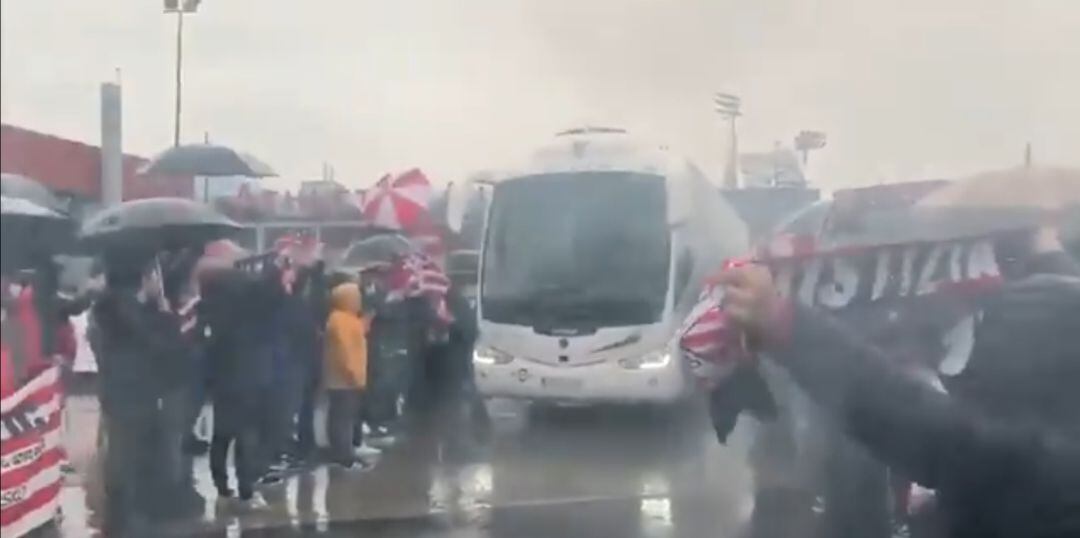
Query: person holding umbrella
pixel 388 340
pixel 143 352
pixel 183 401
pixel 141 349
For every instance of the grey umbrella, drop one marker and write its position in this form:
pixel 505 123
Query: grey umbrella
pixel 1041 187
pixel 28 230
pixel 375 250
pixel 895 214
pixel 155 223
pixel 17 186
pixel 206 160
pixel 1045 194
pixel 17 208
pixel 930 224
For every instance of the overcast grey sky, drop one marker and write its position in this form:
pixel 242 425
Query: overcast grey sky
pixel 903 89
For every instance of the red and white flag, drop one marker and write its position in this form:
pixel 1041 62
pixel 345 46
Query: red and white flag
pixel 300 249
pixel 417 275
pixel 32 451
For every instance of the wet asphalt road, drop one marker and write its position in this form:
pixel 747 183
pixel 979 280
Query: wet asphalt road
pixel 598 472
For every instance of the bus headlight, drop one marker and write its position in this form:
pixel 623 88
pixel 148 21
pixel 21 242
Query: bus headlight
pixel 490 356
pixel 649 361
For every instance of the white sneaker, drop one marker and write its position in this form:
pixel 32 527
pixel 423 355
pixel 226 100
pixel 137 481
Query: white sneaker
pixel 366 451
pixel 383 442
pixel 256 502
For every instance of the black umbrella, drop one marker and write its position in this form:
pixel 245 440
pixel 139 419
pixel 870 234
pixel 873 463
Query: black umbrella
pixel 14 208
pixel 375 250
pixel 16 186
pixel 30 230
pixel 206 160
pixel 155 223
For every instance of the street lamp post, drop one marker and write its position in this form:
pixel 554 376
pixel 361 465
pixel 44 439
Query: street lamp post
pixel 729 107
pixel 179 7
pixel 806 141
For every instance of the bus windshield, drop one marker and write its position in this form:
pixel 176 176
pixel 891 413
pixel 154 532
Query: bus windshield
pixel 577 248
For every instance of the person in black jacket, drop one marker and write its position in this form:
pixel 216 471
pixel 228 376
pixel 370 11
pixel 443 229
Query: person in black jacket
pixel 451 385
pixel 1003 452
pixel 392 345
pixel 183 404
pixel 234 307
pixel 312 286
pixel 141 348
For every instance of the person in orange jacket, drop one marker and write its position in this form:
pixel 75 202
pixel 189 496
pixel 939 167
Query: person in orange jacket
pixel 345 371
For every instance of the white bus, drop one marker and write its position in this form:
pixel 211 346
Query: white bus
pixel 593 254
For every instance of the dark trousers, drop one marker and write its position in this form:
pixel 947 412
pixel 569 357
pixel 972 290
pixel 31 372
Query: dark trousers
pixel 176 424
pixel 131 492
pixel 197 391
pixel 856 492
pixel 275 421
pixel 235 428
pixel 459 414
pixel 283 406
pixel 305 416
pixel 391 375
pixel 343 422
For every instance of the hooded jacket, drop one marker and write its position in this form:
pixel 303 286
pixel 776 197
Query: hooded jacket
pixel 345 348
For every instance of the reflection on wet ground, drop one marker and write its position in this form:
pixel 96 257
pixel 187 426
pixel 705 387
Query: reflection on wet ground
pixel 625 472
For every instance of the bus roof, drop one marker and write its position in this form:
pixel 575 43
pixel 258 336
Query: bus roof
pixel 591 149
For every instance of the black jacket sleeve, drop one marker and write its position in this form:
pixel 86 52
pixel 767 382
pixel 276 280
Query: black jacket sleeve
pixel 935 439
pixel 155 331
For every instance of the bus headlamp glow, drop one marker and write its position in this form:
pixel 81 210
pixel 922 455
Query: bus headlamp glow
pixel 649 361
pixel 490 356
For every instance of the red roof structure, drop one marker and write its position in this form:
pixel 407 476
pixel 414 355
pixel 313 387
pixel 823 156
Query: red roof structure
pixel 72 167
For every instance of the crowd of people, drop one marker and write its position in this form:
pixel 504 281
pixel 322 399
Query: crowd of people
pixel 263 341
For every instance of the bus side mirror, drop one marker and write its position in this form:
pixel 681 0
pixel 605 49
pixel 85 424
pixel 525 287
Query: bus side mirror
pixel 456 199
